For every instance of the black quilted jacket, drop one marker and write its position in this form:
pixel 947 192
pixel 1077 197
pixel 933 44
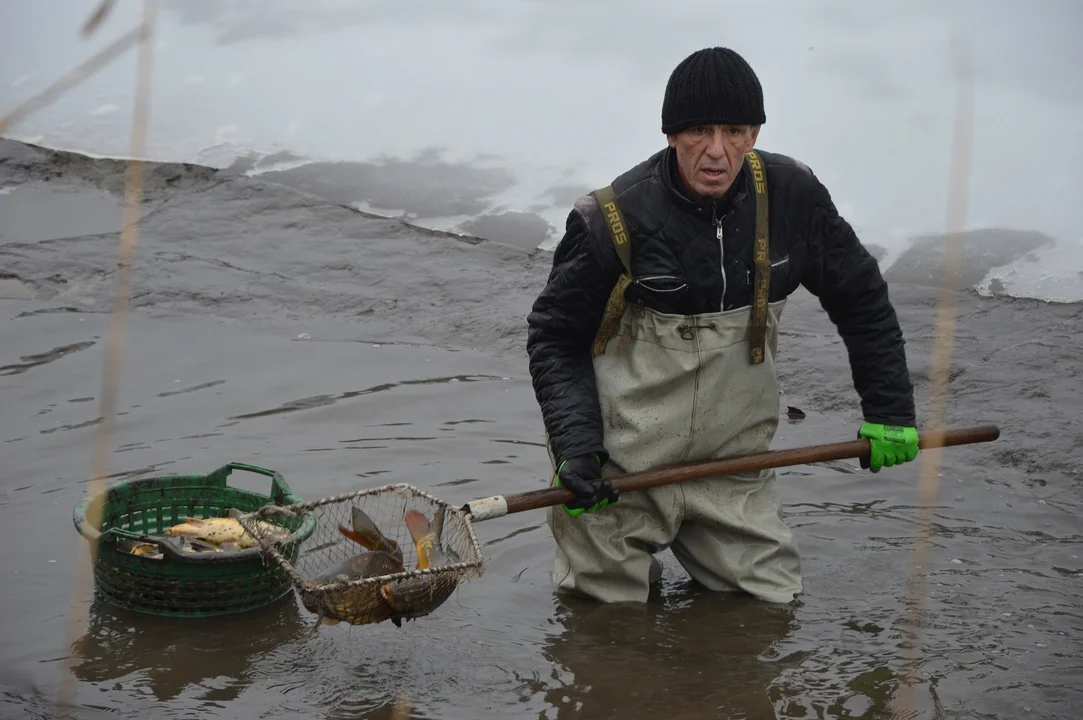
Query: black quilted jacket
pixel 681 267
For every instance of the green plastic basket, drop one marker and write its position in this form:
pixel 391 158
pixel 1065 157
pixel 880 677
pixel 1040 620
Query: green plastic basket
pixel 183 584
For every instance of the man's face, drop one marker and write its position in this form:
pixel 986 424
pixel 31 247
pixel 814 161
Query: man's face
pixel 710 156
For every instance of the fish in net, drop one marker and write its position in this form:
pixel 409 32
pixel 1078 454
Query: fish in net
pixel 392 552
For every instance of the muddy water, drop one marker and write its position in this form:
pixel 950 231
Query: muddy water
pixel 411 368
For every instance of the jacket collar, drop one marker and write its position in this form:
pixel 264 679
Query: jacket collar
pixel 678 194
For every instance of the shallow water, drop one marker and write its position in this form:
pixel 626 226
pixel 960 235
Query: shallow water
pixel 345 351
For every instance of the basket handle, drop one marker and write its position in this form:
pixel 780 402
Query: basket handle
pixel 279 487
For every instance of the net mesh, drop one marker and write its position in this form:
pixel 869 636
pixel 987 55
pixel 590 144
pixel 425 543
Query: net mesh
pixel 362 564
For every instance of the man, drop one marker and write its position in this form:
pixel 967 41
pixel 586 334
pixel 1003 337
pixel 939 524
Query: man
pixel 647 346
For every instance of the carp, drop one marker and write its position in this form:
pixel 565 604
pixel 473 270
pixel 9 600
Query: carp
pixel 417 596
pixel 360 604
pixel 357 605
pixel 219 530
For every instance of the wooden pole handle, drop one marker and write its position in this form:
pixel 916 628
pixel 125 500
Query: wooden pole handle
pixel 537 499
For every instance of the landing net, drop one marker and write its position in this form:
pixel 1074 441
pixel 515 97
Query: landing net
pixel 377 574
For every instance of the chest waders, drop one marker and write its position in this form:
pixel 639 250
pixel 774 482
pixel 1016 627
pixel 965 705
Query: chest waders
pixel 673 389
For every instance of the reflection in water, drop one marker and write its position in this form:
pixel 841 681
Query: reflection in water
pixel 692 654
pixel 175 653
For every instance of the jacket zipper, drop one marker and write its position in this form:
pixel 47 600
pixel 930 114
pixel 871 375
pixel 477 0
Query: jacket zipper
pixel 721 251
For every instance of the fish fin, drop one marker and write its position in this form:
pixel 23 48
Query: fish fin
pixel 420 531
pixel 365 526
pixel 361 518
pixel 203 545
pixel 357 538
pixel 416 523
pixel 233 513
pixel 193 520
pixel 437 525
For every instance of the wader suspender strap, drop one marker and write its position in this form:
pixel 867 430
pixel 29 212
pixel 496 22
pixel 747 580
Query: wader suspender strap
pixel 761 258
pixel 618 233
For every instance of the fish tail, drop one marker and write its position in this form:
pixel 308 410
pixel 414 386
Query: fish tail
pixel 362 540
pixel 366 526
pixel 421 531
pixel 438 522
pixel 417 524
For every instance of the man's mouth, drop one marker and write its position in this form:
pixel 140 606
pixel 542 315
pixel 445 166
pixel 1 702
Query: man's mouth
pixel 713 174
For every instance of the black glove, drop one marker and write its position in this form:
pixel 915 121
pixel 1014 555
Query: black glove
pixel 579 474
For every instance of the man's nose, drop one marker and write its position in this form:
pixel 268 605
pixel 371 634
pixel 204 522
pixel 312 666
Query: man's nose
pixel 716 145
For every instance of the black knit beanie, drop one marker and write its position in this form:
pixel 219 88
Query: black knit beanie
pixel 712 86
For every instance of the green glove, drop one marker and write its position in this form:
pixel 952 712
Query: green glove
pixel 888 445
pixel 579 474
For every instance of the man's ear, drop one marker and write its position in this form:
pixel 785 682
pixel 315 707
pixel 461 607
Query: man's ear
pixel 755 134
pixel 672 139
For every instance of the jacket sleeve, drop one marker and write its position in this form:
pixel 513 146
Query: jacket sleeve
pixel 851 289
pixel 560 330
